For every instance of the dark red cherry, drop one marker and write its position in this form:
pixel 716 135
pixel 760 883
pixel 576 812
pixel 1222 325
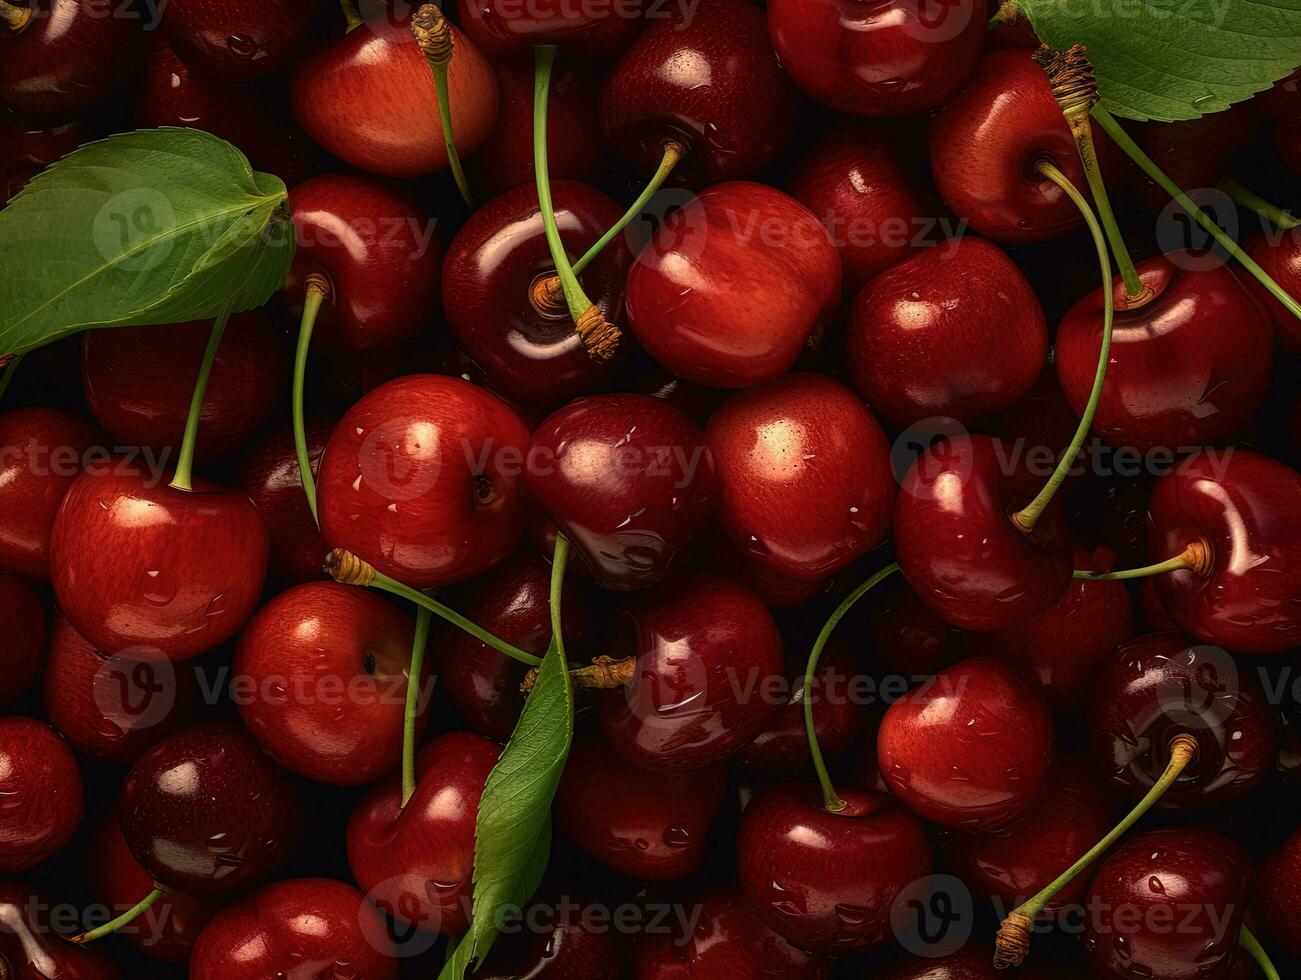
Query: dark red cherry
pixel 829 881
pixel 1191 151
pixel 237 40
pixel 40 785
pixel 22 644
pixel 776 590
pixel 969 749
pixel 707 76
pixel 804 479
pixel 598 30
pixel 733 285
pixel 415 863
pixel 897 58
pixel 1283 101
pixel 1287 140
pixel 1280 890
pixel 974 962
pixel 300 927
pixel 907 637
pixel 527 350
pixel 421 478
pixel 1279 254
pixel 627 479
pixel 1152 613
pixel 648 825
pixel 1188 368
pixel 26 148
pixel 31 950
pixel 1040 426
pixel 554 941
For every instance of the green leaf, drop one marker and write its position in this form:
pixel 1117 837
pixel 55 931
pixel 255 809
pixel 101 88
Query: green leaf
pixel 1175 59
pixel 151 227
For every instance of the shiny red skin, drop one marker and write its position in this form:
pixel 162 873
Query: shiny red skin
pixel 26 148
pixel 308 927
pixel 805 484
pixel 909 638
pixel 70 56
pixel 330 665
pixel 172 573
pixel 828 881
pixel 1191 152
pixel 1283 101
pixel 491 265
pixel 566 951
pixel 377 249
pixel 732 286
pixel 958 547
pixel 415 863
pixel 985 144
pixel 981 721
pixel 1041 425
pixel 1187 875
pixel 648 825
pixel 237 40
pixel 598 30
pixel 1164 684
pixel 887 59
pixel 22 643
pixel 954 331
pixel 109 708
pixel 1279 254
pixel 1280 892
pixel 44 452
pixel 776 590
pixel 627 479
pixel 1248 508
pixel 31 950
pixel 1188 369
pixel 421 479
pixel 370 99
pixel 41 786
pixel 710 77
pixel 139 382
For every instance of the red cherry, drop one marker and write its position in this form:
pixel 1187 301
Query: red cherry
pixel 969 749
pixel 908 637
pixel 42 792
pixel 26 148
pixel 1152 613
pixel 1041 425
pixel 977 963
pixel 303 926
pixel 421 479
pixel 501 27
pixel 1280 890
pixel 22 646
pixel 1279 254
pixel 732 286
pixel 31 950
pixel 554 942
pixel 776 590
pixel 237 40
pixel 804 479
pixel 1283 101
pixel 1191 151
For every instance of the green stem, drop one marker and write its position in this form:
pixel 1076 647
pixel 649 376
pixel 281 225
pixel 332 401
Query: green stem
pixel 830 798
pixel 559 560
pixel 1249 199
pixel 449 139
pixel 185 461
pixel 1028 515
pixel 1249 942
pixel 125 918
pixel 1196 555
pixel 8 375
pixel 352 20
pixel 1083 134
pixel 420 640
pixel 1117 133
pixel 314 297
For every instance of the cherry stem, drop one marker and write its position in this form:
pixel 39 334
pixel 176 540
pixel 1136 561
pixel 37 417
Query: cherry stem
pixel 185 461
pixel 16 17
pixel 434 35
pixel 419 641
pixel 125 918
pixel 317 292
pixel 545 58
pixel 1126 143
pixel 1196 556
pixel 1013 940
pixel 10 369
pixel 351 18
pixel 559 560
pixel 1249 942
pixel 1249 199
pixel 602 674
pixel 830 798
pixel 1134 288
pixel 1026 517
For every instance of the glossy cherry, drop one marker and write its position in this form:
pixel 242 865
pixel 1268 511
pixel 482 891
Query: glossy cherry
pixel 22 644
pixel 1191 151
pixel 598 30
pixel 41 787
pixel 1279 254
pixel 26 148
pixel 31 950
pixel 421 478
pixel 733 285
pixel 554 942
pixel 776 590
pixel 237 40
pixel 969 749
pixel 1280 890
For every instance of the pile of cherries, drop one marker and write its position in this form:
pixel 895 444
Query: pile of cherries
pixel 845 343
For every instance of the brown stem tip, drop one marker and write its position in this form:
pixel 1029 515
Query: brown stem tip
pixel 347 569
pixel 602 674
pixel 1013 940
pixel 600 337
pixel 433 34
pixel 1070 73
pixel 1198 556
pixel 1008 13
pixel 16 17
pixel 318 283
pixel 547 297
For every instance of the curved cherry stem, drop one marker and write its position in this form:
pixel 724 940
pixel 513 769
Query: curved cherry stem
pixel 10 370
pixel 317 292
pixel 1126 143
pixel 559 561
pixel 1252 945
pixel 1196 556
pixel 126 918
pixel 16 17
pixel 831 799
pixel 434 35
pixel 185 461
pixel 1026 517
pixel 1013 940
pixel 420 640
pixel 1245 197
pixel 544 60
pixel 351 18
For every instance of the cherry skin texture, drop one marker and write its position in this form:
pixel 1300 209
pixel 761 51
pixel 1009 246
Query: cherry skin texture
pixel 500 27
pixel 415 863
pixel 139 381
pixel 1280 890
pixel 31 950
pixel 909 638
pixel 805 484
pixel 648 825
pixel 1280 256
pixel 22 643
pixel 891 59
pixel 557 946
pixel 977 720
pixel 628 480
pixel 709 78
pixel 1191 152
pixel 329 664
pixel 827 881
pixel 420 479
pixel 41 786
pixel 300 927
pixel 27 147
pixel 732 286
pixel 776 590
pixel 237 40
pixel 1188 369
pixel 953 331
pixel 370 99
pixel 377 249
pixel 535 357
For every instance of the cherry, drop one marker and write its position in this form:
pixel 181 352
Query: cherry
pixel 500 27
pixel 804 479
pixel 420 479
pixel 415 862
pixel 42 792
pixel 1201 336
pixel 1191 151
pixel 708 75
pixel 31 950
pixel 303 926
pixel 908 637
pixel 890 59
pixel 776 590
pixel 1280 881
pixel 22 646
pixel 1152 613
pixel 733 285
pixel 555 943
pixel 237 40
pixel 1283 100
pixel 648 825
pixel 26 148
pixel 627 479
pixel 528 350
pixel 370 99
pixel 969 749
pixel 1279 254
pixel 969 963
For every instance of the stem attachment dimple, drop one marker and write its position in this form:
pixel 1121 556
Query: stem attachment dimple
pixel 126 918
pixel 1196 556
pixel 184 474
pixel 16 17
pixel 317 292
pixel 434 35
